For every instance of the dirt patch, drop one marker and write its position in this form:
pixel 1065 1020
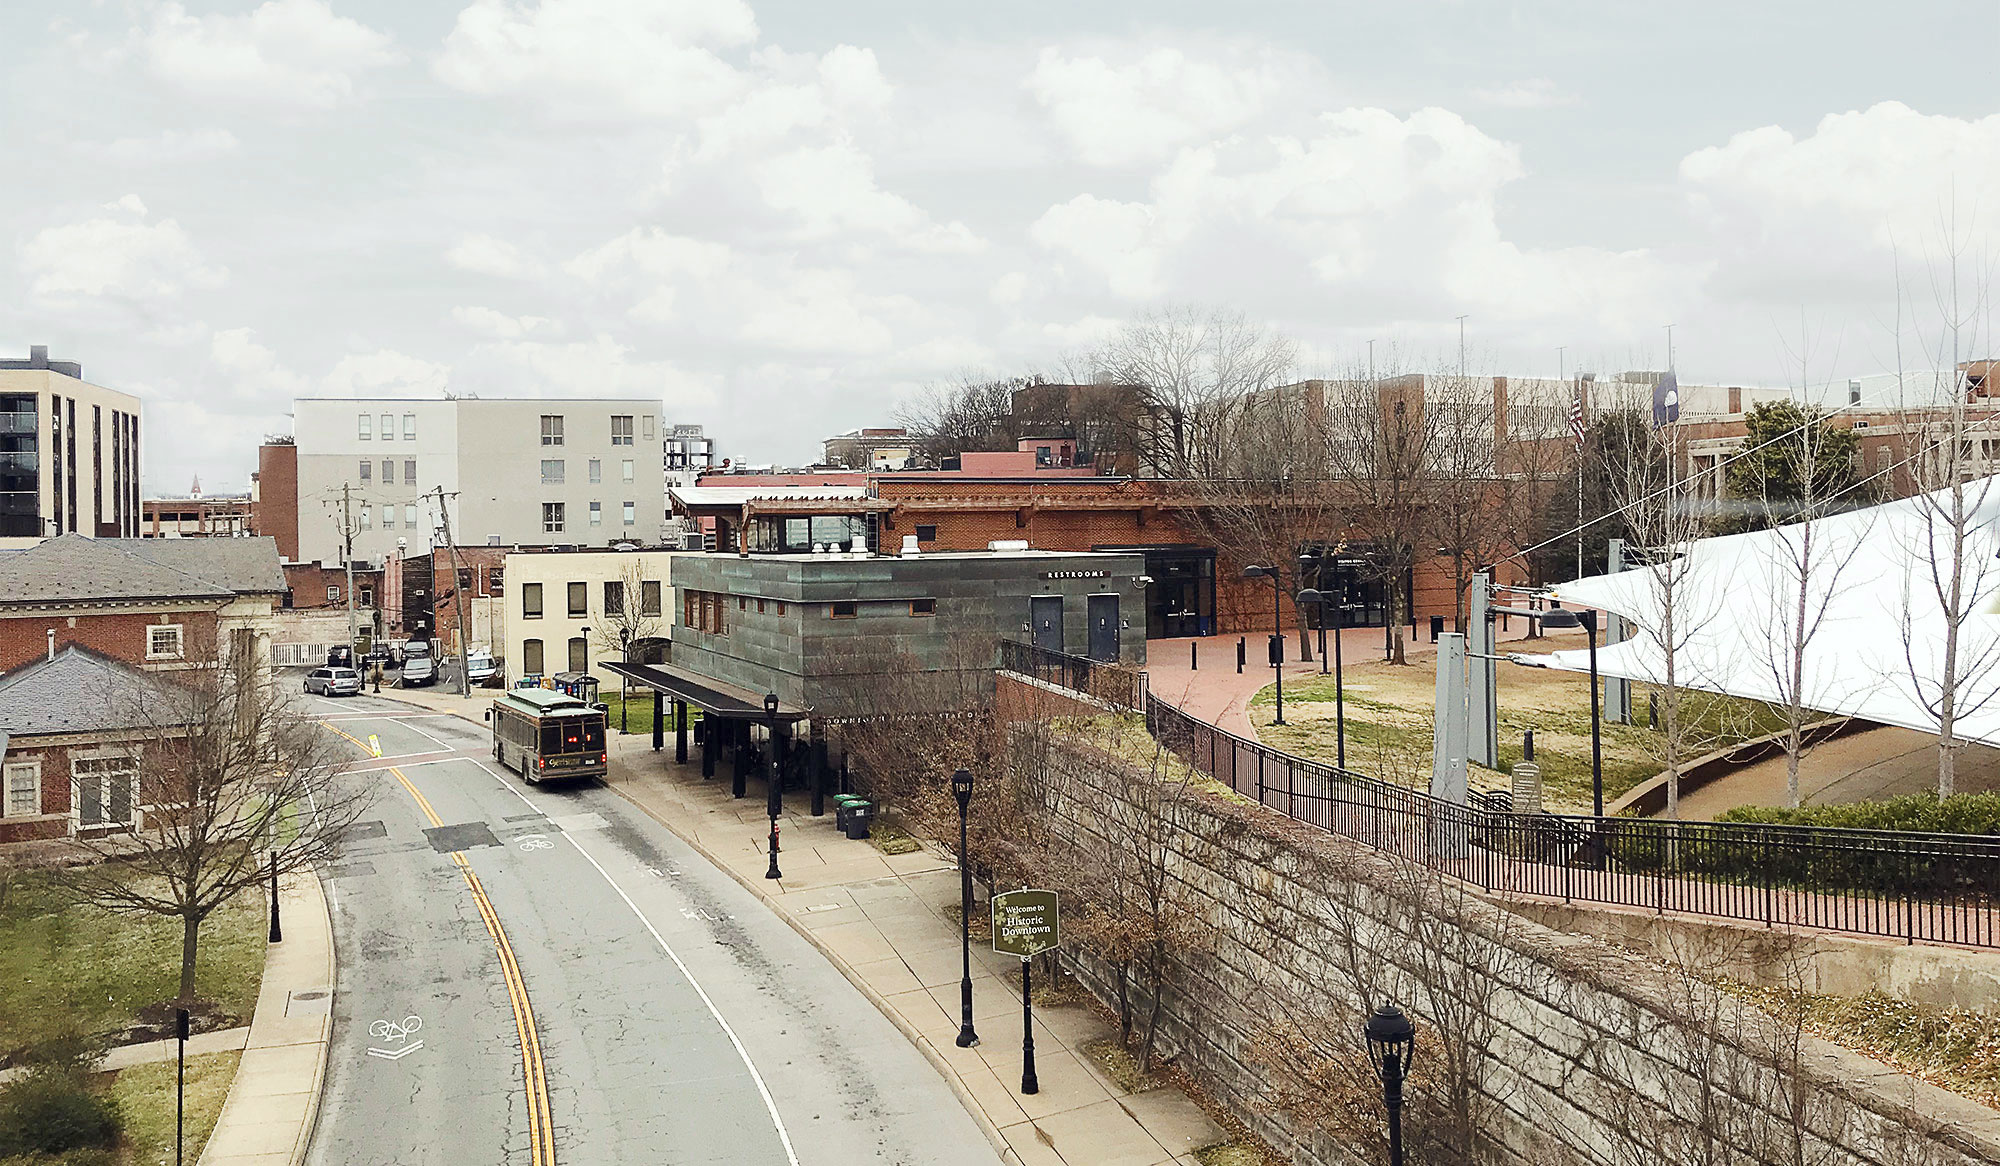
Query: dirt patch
pixel 1120 1065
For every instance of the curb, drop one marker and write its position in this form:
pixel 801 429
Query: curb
pixel 910 1032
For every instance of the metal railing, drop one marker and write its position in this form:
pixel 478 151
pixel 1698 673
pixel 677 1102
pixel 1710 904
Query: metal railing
pixel 1114 684
pixel 1938 888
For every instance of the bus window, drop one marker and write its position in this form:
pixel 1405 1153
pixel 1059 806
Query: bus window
pixel 594 737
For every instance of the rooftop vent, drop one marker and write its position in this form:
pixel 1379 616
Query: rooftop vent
pixel 1008 546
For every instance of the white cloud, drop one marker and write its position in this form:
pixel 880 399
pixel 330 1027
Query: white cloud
pixel 168 146
pixel 130 202
pixel 1115 115
pixel 641 56
pixel 1533 93
pixel 597 367
pixel 284 52
pixel 115 259
pixel 1009 288
pixel 486 255
pixel 246 372
pixel 498 325
pixel 386 372
pixel 1794 219
pixel 852 79
pixel 830 191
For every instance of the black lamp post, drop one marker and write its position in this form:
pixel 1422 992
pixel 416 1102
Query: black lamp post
pixel 1562 617
pixel 961 789
pixel 1312 595
pixel 1277 629
pixel 775 800
pixel 1307 563
pixel 1392 1039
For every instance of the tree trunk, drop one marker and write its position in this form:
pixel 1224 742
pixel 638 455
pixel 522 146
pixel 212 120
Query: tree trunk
pixel 1157 983
pixel 190 934
pixel 1124 1006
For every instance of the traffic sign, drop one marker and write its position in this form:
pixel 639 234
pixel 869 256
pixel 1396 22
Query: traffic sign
pixel 1026 923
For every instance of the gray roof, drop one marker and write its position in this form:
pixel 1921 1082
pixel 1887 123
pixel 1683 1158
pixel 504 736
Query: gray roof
pixel 81 691
pixel 72 568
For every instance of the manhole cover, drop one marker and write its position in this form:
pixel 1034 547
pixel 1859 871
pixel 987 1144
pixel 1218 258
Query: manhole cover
pixel 308 995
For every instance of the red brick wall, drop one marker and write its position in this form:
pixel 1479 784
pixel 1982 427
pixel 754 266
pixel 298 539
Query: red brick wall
pixel 276 510
pixel 122 637
pixel 309 582
pixel 55 796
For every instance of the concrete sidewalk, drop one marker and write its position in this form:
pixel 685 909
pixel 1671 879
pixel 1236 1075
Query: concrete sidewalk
pixel 267 1119
pixel 879 918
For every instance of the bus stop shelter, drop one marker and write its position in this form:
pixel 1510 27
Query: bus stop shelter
pixel 728 715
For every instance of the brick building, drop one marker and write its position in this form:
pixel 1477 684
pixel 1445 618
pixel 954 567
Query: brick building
pixel 76 730
pixel 274 495
pixel 160 605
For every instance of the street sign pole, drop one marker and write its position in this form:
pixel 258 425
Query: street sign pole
pixel 1027 923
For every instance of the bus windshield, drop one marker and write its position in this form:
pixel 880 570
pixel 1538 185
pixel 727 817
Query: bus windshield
pixel 572 735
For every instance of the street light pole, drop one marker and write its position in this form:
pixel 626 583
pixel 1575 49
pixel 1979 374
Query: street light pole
pixel 1392 1040
pixel 775 794
pixel 1316 596
pixel 1277 629
pixel 961 790
pixel 1562 617
pixel 1304 560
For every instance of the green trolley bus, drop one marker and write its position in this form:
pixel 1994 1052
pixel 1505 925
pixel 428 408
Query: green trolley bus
pixel 542 733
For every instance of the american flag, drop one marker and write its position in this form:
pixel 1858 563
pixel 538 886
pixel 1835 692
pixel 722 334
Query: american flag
pixel 1576 417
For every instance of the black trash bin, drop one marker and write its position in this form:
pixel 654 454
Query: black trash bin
pixel 859 815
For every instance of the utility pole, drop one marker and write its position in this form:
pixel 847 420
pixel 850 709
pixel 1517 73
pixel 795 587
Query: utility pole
pixel 347 555
pixel 458 589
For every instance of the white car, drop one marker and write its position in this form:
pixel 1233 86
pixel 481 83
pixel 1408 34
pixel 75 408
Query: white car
pixel 479 666
pixel 333 681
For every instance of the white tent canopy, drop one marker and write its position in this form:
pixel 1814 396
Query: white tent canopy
pixel 1878 652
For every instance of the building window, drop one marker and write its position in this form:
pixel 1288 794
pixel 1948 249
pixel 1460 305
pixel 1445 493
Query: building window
pixel 760 607
pixel 410 473
pixel 648 423
pixel 409 427
pixel 107 790
pixel 365 425
pixel 163 641
pixel 388 427
pixel 579 654
pixel 367 596
pixel 24 789
pixel 552 429
pixel 531 604
pixel 596 470
pixel 845 610
pixel 579 599
pixel 923 607
pixel 688 605
pixel 333 594
pixel 621 429
pixel 926 534
pixel 649 597
pixel 388 472
pixel 597 514
pixel 367 470
pixel 367 519
pixel 631 513
pixel 531 657
pixel 552 471
pixel 552 518
pixel 388 518
pixel 410 516
pixel 614 598
pixel 625 468
pixel 494 578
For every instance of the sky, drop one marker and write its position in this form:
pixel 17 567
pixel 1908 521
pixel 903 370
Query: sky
pixel 784 217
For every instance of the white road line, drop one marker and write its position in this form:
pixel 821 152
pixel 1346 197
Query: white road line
pixel 770 1104
pixel 393 763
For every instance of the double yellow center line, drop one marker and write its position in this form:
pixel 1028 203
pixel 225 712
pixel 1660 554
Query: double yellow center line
pixel 541 1138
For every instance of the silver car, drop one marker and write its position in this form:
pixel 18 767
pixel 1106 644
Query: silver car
pixel 333 681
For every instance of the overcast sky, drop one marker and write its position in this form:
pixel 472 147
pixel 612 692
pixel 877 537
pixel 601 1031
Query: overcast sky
pixel 783 216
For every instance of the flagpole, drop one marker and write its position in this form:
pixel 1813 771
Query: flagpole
pixel 1576 402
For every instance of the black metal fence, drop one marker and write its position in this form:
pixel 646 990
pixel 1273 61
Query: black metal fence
pixel 1114 684
pixel 1938 888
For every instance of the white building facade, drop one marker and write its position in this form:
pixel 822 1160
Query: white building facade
pixel 513 473
pixel 69 453
pixel 567 610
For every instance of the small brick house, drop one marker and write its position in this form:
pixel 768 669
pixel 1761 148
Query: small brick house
pixel 73 733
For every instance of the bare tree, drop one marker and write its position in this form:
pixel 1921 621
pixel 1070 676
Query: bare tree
pixel 1380 436
pixel 1192 366
pixel 235 785
pixel 973 415
pixel 1951 668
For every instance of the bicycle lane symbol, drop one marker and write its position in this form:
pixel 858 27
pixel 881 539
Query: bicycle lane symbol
pixel 396 1034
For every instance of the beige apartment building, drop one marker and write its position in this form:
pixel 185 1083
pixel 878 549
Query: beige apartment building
pixel 565 610
pixel 69 453
pixel 514 472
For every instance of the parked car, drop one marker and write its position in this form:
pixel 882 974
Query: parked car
pixel 340 656
pixel 333 681
pixel 479 666
pixel 419 666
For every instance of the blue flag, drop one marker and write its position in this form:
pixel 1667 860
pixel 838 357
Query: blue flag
pixel 1666 401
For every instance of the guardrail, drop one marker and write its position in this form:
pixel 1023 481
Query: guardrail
pixel 1112 683
pixel 1938 888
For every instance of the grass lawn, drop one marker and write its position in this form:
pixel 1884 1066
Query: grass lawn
pixel 145 1097
pixel 68 965
pixel 638 712
pixel 1389 712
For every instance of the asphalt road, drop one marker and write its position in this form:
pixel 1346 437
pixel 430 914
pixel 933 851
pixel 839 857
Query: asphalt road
pixel 676 1019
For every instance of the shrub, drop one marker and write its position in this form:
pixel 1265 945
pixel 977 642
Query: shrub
pixel 1924 812
pixel 50 1112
